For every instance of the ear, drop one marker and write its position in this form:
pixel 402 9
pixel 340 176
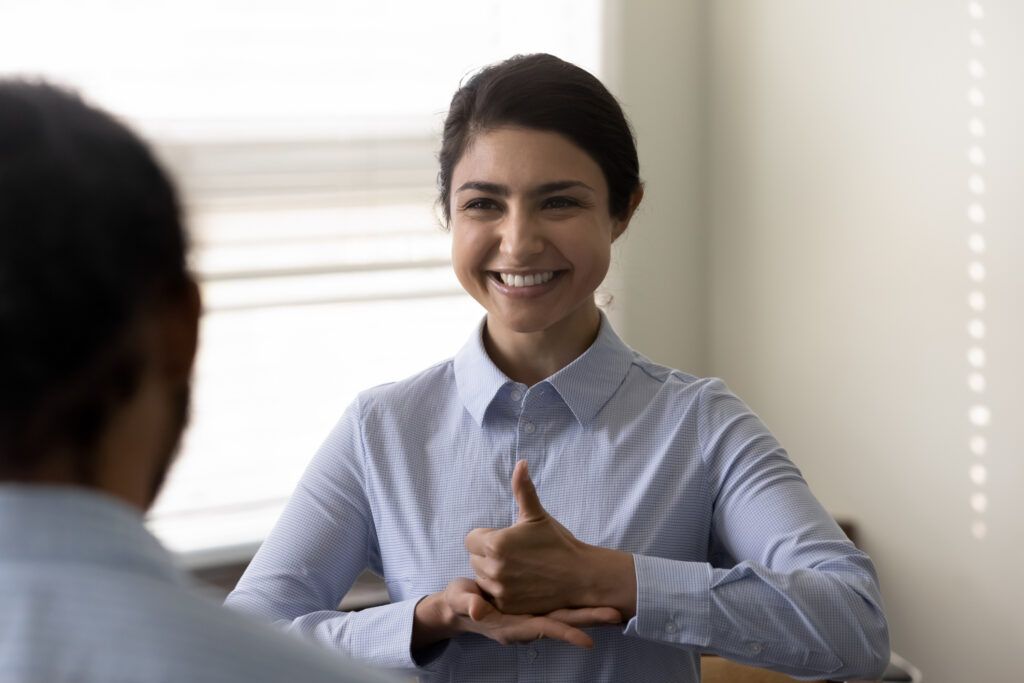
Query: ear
pixel 622 223
pixel 179 330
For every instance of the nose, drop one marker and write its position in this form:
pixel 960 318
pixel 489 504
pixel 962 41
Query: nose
pixel 522 237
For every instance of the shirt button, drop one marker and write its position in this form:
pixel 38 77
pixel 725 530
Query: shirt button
pixel 756 648
pixel 670 627
pixel 531 654
pixel 516 395
pixel 529 428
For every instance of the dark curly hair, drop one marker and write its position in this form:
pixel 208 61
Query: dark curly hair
pixel 90 235
pixel 543 92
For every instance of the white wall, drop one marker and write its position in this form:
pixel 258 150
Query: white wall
pixel 835 235
pixel 654 65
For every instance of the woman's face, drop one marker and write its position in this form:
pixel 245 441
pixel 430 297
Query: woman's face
pixel 531 232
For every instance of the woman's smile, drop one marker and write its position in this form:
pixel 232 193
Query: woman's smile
pixel 525 284
pixel 524 280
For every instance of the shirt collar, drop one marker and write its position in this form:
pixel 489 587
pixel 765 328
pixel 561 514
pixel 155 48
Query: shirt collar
pixel 477 378
pixel 585 384
pixel 77 525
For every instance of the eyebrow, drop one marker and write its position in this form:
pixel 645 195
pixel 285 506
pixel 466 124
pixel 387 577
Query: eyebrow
pixel 503 191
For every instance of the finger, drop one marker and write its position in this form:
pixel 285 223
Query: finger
pixel 525 494
pixel 557 630
pixel 492 588
pixel 476 541
pixel 527 629
pixel 463 585
pixel 479 609
pixel 464 597
pixel 485 567
pixel 587 616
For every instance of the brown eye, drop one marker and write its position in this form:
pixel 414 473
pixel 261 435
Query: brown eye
pixel 480 204
pixel 560 203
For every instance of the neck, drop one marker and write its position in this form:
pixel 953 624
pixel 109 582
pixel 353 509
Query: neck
pixel 532 357
pixel 61 468
pixel 131 455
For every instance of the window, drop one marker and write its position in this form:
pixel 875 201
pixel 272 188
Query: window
pixel 303 135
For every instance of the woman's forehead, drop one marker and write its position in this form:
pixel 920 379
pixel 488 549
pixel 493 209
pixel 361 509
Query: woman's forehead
pixel 522 159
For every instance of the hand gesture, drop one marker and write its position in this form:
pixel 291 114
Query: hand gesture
pixel 462 608
pixel 536 565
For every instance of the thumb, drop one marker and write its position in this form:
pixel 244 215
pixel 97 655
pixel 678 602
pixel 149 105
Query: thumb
pixel 478 608
pixel 523 489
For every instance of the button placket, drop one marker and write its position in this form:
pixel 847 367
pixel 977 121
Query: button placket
pixel 530 407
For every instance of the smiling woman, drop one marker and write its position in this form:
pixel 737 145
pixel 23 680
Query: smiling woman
pixel 665 519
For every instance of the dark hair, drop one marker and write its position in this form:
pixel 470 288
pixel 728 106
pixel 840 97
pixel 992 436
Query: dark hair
pixel 90 235
pixel 543 92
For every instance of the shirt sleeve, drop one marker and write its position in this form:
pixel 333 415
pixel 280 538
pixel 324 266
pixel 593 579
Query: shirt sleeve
pixel 317 549
pixel 799 598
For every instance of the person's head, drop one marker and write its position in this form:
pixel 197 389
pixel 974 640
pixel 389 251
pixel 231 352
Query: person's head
pixel 542 92
pixel 98 313
pixel 538 176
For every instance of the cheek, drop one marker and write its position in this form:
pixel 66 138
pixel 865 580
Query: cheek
pixel 592 254
pixel 467 252
pixel 602 261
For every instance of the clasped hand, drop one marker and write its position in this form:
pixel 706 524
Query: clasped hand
pixel 534 579
pixel 463 608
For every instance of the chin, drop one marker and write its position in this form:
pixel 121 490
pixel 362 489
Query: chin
pixel 538 318
pixel 525 324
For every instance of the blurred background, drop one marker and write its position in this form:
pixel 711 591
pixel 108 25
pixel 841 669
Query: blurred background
pixel 832 224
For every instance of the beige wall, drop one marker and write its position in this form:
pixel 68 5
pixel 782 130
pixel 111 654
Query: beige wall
pixel 823 274
pixel 654 65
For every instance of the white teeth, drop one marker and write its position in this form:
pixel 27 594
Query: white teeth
pixel 526 280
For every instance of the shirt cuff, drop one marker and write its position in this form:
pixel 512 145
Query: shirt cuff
pixel 381 637
pixel 673 601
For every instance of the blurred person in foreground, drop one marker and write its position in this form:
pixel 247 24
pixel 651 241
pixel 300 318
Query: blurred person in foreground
pixel 98 329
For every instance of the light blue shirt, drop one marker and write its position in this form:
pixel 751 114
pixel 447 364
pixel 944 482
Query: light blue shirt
pixel 88 595
pixel 733 554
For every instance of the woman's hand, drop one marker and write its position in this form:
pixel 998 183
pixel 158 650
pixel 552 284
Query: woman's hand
pixel 537 566
pixel 463 608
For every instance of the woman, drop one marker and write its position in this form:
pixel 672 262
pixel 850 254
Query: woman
pixel 548 479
